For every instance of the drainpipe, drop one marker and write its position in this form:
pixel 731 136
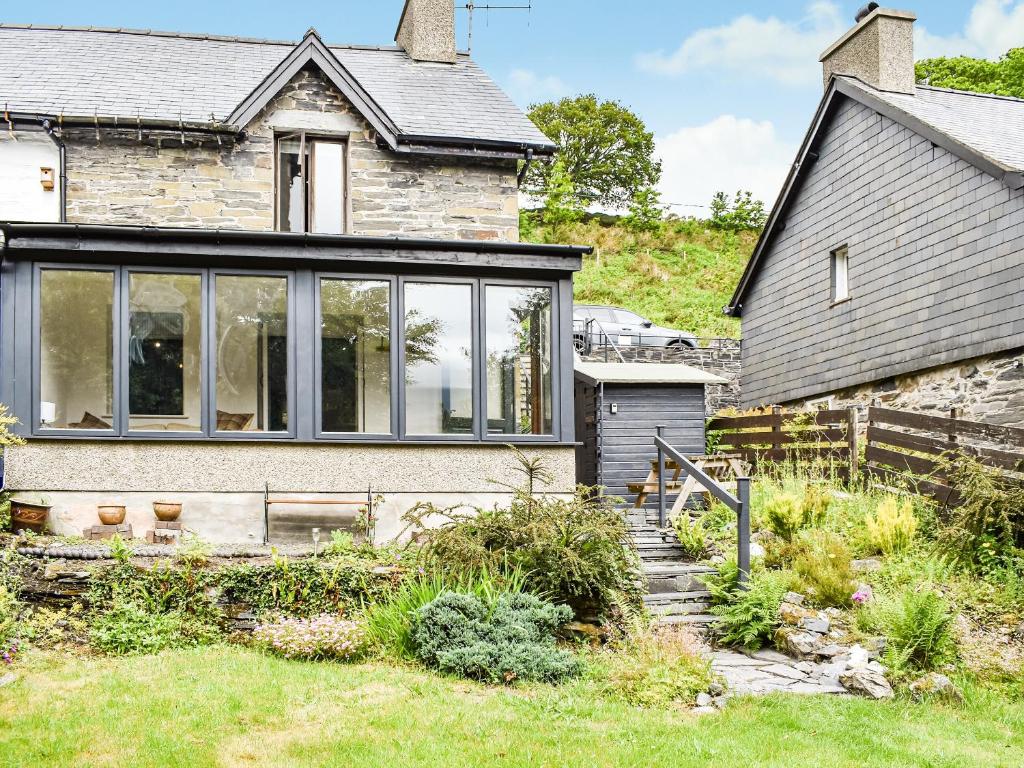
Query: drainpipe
pixel 527 160
pixel 62 151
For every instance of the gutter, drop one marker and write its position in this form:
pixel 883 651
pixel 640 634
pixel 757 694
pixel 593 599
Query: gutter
pixel 527 161
pixel 63 153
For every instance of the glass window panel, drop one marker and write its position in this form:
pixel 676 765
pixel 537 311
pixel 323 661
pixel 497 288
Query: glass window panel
pixel 291 193
pixel 164 361
pixel 518 360
pixel 355 355
pixel 328 187
pixel 438 359
pixel 251 353
pixel 76 349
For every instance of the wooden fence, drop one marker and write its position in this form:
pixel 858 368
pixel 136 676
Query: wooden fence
pixel 903 449
pixel 824 438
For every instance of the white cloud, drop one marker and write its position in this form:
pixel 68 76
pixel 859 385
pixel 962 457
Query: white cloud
pixel 993 27
pixel 728 154
pixel 526 87
pixel 786 51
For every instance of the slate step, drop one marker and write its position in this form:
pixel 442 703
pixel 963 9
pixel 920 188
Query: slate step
pixel 697 619
pixel 664 598
pixel 663 577
pixel 679 609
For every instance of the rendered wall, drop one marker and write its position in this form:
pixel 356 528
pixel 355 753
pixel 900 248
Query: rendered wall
pixel 22 197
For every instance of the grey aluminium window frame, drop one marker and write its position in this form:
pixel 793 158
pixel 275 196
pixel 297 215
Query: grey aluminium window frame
pixel 304 364
pixel 556 331
pixel 395 336
pixel 116 351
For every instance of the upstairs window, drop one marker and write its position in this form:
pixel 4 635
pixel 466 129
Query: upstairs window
pixel 310 191
pixel 840 270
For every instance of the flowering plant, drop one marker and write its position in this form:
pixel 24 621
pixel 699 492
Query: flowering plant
pixel 321 637
pixel 8 655
pixel 862 595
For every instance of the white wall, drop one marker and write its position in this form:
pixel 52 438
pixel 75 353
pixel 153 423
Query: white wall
pixel 22 197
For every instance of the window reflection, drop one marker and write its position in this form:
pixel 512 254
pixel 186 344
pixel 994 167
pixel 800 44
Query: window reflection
pixel 438 359
pixel 518 360
pixel 355 355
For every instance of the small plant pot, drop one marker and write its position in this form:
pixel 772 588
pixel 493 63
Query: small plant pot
pixel 111 514
pixel 28 516
pixel 167 511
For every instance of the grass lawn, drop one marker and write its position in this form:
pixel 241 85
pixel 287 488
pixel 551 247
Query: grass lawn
pixel 227 706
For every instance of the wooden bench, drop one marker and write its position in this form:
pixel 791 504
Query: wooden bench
pixel 269 500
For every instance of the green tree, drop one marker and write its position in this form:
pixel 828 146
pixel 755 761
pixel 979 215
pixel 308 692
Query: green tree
pixel 1004 77
pixel 605 149
pixel 744 212
pixel 561 204
pixel 645 211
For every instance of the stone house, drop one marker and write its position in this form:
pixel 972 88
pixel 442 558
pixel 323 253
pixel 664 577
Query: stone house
pixel 892 266
pixel 229 264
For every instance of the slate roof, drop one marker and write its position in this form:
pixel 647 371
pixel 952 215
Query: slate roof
pixel 991 125
pixel 82 72
pixel 984 130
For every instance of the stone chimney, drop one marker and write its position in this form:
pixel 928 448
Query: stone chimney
pixel 427 30
pixel 879 50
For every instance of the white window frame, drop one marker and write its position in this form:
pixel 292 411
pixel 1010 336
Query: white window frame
pixel 309 176
pixel 839 274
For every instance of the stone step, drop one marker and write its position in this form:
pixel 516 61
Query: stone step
pixel 661 552
pixel 678 609
pixel 664 577
pixel 663 598
pixel 698 619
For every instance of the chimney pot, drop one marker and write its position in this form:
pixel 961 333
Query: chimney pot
pixel 878 50
pixel 426 30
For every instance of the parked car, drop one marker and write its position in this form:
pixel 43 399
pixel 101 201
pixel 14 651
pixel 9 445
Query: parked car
pixel 596 325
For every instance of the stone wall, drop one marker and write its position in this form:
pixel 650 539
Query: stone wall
pixel 988 389
pixel 721 357
pixel 161 180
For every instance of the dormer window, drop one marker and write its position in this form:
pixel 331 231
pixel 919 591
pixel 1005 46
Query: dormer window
pixel 311 184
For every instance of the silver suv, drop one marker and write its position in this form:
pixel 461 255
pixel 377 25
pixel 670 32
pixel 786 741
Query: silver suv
pixel 596 325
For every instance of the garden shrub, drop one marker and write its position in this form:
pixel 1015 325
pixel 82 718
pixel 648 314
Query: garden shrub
pixel 126 627
pixel 823 564
pixel 575 551
pixel 318 638
pixel 513 640
pixel 692 534
pixel 892 527
pixel 10 608
pixel 784 514
pixel 918 625
pixel 657 669
pixel 751 615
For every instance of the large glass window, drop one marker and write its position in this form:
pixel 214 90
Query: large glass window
pixel 251 334
pixel 310 184
pixel 438 359
pixel 355 355
pixel 164 359
pixel 518 360
pixel 76 347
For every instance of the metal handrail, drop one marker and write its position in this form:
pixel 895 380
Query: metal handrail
pixel 740 503
pixel 607 338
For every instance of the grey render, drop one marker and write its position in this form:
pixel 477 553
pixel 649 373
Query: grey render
pixel 925 191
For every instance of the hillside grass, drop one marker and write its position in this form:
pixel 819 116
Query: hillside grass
pixel 228 706
pixel 680 276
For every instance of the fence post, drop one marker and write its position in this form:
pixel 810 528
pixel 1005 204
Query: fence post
pixel 852 437
pixel 954 413
pixel 659 431
pixel 743 529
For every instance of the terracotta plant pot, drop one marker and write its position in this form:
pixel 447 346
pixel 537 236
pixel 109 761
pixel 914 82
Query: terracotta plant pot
pixel 167 511
pixel 111 514
pixel 28 516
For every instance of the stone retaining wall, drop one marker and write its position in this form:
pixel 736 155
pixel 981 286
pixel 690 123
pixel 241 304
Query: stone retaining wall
pixel 721 357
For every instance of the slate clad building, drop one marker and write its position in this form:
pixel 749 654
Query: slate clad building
pixel 228 263
pixel 892 265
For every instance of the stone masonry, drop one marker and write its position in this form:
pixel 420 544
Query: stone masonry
pixel 721 357
pixel 988 389
pixel 163 180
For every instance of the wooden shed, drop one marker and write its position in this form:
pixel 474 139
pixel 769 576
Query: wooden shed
pixel 618 405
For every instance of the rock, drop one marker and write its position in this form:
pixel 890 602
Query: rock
pixel 716 689
pixel 704 700
pixel 875 666
pixel 717 559
pixel 866 682
pixel 763 535
pixel 830 650
pixel 793 597
pixel 580 630
pixel 935 685
pixel 1018 633
pixel 858 657
pixel 7 679
pixel 796 643
pixel 818 624
pixel 756 550
pixel 790 613
pixel 867 565
pixel 704 710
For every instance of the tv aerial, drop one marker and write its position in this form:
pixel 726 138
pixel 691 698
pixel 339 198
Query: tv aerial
pixel 470 7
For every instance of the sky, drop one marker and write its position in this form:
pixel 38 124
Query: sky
pixel 727 87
